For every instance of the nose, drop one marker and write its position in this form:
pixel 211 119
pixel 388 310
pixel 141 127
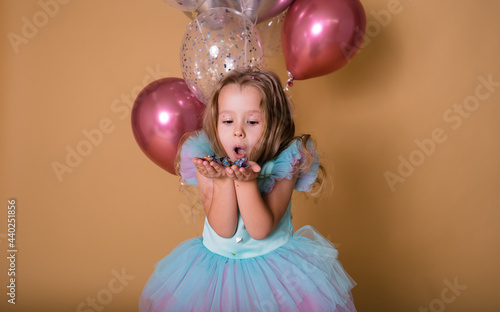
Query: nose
pixel 238 133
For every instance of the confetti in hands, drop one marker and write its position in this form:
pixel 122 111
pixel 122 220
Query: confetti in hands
pixel 217 167
pixel 226 162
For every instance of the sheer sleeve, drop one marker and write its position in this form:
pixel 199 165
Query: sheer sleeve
pixel 285 165
pixel 196 145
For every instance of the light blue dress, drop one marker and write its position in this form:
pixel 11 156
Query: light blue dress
pixel 283 272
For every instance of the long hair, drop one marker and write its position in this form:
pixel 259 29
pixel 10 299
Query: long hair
pixel 279 127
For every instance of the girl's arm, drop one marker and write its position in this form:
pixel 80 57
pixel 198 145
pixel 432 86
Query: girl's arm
pixel 218 197
pixel 260 214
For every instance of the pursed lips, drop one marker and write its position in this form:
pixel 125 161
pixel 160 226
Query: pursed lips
pixel 239 151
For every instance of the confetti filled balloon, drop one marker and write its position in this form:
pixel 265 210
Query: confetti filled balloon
pixel 216 42
pixel 163 112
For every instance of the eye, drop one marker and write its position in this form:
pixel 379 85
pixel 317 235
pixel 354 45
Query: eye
pixel 227 121
pixel 253 122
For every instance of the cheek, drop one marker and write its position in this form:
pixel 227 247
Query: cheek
pixel 224 139
pixel 223 135
pixel 258 134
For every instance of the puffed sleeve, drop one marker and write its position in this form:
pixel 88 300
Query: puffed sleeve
pixel 197 145
pixel 284 166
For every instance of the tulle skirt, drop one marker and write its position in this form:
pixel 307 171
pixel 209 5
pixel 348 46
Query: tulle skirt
pixel 301 275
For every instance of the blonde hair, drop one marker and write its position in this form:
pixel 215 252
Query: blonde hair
pixel 279 127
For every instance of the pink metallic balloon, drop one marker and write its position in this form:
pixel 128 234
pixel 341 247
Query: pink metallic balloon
pixel 164 111
pixel 320 36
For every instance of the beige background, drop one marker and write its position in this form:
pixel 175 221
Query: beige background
pixel 118 213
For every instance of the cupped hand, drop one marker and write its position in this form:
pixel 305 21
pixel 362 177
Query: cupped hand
pixel 209 169
pixel 244 174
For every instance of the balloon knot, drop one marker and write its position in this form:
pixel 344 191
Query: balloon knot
pixel 289 83
pixel 290 79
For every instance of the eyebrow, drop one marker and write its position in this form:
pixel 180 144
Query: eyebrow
pixel 247 112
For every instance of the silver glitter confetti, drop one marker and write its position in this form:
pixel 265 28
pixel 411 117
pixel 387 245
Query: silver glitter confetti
pixel 216 42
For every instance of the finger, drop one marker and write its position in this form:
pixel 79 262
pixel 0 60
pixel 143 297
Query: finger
pixel 219 169
pixel 211 170
pixel 204 173
pixel 236 171
pixel 197 161
pixel 200 167
pixel 215 165
pixel 254 166
pixel 206 164
pixel 249 171
pixel 215 171
pixel 248 175
pixel 230 173
pixel 243 172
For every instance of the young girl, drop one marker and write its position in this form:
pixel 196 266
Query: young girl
pixel 248 258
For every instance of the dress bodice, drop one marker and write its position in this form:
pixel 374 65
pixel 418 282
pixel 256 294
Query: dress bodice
pixel 242 245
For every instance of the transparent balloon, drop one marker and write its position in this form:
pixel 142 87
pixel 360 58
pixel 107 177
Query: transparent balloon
pixel 185 5
pixel 216 42
pixel 270 35
pixel 256 10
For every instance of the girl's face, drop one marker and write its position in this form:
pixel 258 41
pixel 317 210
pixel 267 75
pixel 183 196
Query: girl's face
pixel 240 121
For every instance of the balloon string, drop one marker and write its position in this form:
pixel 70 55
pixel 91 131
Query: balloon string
pixel 202 35
pixel 243 9
pixel 185 188
pixel 244 5
pixel 289 83
pixel 246 41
